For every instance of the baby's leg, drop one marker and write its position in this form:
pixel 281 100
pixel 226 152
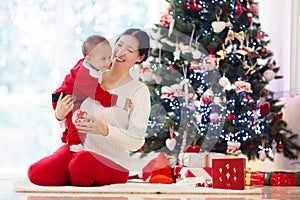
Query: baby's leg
pixel 73 136
pixel 51 170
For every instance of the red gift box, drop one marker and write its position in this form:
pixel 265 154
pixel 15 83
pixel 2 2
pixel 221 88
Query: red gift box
pixel 257 179
pixel 283 178
pixel 229 173
pixel 187 172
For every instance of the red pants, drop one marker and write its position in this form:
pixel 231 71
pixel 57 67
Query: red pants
pixel 83 168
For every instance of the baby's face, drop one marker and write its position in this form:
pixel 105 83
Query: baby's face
pixel 100 56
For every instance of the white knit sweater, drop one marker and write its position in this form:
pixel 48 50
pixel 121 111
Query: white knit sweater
pixel 126 128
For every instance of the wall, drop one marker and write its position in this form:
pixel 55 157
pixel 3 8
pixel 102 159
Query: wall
pixel 280 20
pixel 292 116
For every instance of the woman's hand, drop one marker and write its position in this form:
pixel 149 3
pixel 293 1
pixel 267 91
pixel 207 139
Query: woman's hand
pixel 64 106
pixel 92 125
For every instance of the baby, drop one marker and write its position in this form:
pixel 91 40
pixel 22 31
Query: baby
pixel 84 81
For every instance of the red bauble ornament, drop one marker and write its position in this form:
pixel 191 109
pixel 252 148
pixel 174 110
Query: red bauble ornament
pixel 192 4
pixel 206 100
pixel 264 50
pixel 142 148
pixel 238 9
pixel 254 8
pixel 79 116
pixel 192 149
pixel 264 108
pixel 250 17
pixel 280 146
pixel 230 117
pixel 172 68
pixel 165 19
pixel 260 35
pixel 251 146
pixel 277 117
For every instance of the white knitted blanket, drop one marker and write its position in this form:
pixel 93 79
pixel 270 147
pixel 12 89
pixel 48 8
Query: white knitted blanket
pixel 131 188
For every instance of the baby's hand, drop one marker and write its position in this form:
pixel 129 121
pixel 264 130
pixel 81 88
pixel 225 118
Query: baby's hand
pixel 128 104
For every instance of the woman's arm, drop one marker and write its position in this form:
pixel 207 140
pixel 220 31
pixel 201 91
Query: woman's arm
pixel 131 138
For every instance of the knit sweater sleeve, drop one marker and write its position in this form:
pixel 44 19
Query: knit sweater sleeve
pixel 133 137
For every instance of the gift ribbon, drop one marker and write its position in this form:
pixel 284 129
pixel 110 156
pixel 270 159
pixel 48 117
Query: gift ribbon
pixel 248 179
pixel 298 178
pixel 268 177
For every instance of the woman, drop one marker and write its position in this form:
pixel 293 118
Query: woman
pixel 111 132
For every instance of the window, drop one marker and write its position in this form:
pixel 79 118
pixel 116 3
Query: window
pixel 40 41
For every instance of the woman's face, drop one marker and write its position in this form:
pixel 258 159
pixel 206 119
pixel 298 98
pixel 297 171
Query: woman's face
pixel 126 51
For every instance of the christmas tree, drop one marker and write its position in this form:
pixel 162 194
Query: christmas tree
pixel 208 75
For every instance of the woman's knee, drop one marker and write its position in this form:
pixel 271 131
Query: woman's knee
pixel 79 169
pixel 51 170
pixel 87 168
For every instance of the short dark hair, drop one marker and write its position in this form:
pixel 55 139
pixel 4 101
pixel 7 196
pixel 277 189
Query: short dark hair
pixel 90 43
pixel 142 37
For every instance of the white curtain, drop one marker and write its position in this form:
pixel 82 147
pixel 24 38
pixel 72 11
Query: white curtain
pixel 280 20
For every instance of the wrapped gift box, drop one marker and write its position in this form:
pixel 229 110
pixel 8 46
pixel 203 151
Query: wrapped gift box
pixel 229 173
pixel 283 178
pixel 273 178
pixel 257 179
pixel 187 172
pixel 198 160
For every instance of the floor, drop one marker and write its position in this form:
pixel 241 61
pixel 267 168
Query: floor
pixel 7 192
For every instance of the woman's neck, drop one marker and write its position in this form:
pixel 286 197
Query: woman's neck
pixel 112 79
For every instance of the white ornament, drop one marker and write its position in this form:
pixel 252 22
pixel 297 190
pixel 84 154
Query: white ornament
pixel 209 92
pixel 210 63
pixel 269 75
pixel 233 148
pixel 262 155
pixel 195 65
pixel 214 117
pixel 242 86
pixel 166 92
pixel 223 81
pixel 274 144
pixel 177 90
pixel 171 26
pixel 196 54
pixel 147 74
pixel 230 87
pixel 244 51
pixel 176 54
pixel 171 143
pixel 218 26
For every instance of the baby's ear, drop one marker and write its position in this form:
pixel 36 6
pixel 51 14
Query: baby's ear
pixel 88 58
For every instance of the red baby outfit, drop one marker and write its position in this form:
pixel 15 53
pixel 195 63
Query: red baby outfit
pixel 81 82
